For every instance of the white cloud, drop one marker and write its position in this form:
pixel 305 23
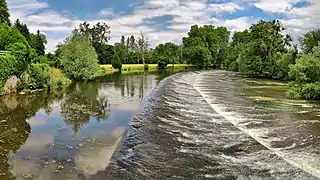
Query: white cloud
pixel 57 25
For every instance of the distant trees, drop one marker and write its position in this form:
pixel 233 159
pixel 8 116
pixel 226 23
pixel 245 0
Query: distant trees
pixel 169 53
pixel 310 40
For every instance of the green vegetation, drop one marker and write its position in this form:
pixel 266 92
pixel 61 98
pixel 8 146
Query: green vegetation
pixel 263 50
pixel 116 63
pixel 79 59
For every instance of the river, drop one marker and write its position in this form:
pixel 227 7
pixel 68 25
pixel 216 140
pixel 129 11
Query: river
pixel 191 125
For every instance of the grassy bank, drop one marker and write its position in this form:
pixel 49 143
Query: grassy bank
pixel 133 68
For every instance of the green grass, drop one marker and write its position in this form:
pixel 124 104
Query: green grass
pixel 134 68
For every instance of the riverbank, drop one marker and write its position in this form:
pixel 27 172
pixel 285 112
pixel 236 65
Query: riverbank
pixel 57 79
pixel 136 68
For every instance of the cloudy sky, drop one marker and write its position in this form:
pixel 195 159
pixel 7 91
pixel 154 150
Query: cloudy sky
pixel 162 20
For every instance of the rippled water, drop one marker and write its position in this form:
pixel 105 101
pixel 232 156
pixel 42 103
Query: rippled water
pixel 215 125
pixel 69 135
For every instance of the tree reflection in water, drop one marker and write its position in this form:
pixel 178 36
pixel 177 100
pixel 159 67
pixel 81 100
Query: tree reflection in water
pixel 14 128
pixel 82 101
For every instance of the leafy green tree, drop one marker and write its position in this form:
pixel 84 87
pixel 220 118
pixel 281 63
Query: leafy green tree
pixel 122 51
pixel 310 40
pixel 38 76
pixel 23 28
pixel 169 52
pixel 116 63
pixel 4 13
pixel 79 58
pixel 38 41
pixel 305 75
pixel 105 53
pixel 197 55
pixel 215 39
pixel 264 49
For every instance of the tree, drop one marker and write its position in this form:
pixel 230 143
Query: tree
pixel 266 43
pixel 132 44
pixel 123 40
pixel 23 28
pixel 122 51
pixel 116 63
pixel 143 45
pixel 99 33
pixel 105 53
pixel 310 40
pixel 4 13
pixel 169 53
pixel 198 55
pixel 38 41
pixel 215 39
pixel 128 43
pixel 79 58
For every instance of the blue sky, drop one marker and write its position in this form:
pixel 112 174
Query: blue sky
pixel 162 20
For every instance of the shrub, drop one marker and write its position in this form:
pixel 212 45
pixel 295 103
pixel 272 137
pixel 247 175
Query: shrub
pixel 41 60
pixel 162 65
pixel 78 58
pixel 38 76
pixel 234 66
pixel 116 63
pixel 146 67
pixel 7 68
pixel 310 91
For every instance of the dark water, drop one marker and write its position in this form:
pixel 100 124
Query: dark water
pixel 69 135
pixel 215 125
pixel 192 125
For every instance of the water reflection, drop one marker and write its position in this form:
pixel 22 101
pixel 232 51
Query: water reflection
pixel 61 135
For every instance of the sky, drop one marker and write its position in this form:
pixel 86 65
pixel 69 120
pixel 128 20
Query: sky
pixel 162 20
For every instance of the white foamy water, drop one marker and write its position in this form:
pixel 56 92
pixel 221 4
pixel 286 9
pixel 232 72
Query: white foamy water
pixel 301 158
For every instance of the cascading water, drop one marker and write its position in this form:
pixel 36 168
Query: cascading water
pixel 205 125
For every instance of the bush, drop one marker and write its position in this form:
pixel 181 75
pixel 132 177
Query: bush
pixel 162 65
pixel 306 70
pixel 116 63
pixel 234 66
pixel 78 58
pixel 7 69
pixel 310 91
pixel 146 67
pixel 38 77
pixel 41 60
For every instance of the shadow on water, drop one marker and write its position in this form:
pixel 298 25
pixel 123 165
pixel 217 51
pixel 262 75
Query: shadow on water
pixel 71 134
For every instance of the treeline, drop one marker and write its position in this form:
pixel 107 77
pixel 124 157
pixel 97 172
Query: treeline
pixel 259 51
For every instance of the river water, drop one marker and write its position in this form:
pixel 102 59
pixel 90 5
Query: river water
pixel 192 125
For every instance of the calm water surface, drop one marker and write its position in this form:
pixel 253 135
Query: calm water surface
pixel 70 135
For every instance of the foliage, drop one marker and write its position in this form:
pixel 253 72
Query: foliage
pixel 264 46
pixel 4 13
pixel 23 28
pixel 78 58
pixel 38 41
pixel 169 52
pixel 105 53
pixel 306 70
pixel 214 39
pixel 197 55
pixel 146 67
pixel 7 68
pixel 41 60
pixel 38 76
pixel 309 91
pixel 122 52
pixel 116 63
pixel 162 65
pixel 310 40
